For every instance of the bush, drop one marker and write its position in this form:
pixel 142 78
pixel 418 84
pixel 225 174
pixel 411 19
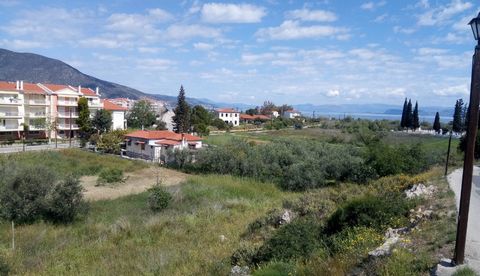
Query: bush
pixel 28 194
pixel 112 175
pixel 4 267
pixel 65 201
pixel 158 198
pixel 369 211
pixel 292 241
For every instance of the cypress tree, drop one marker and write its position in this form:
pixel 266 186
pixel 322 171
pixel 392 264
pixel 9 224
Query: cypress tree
pixel 83 121
pixel 181 120
pixel 409 115
pixel 403 122
pixel 416 121
pixel 457 116
pixel 436 123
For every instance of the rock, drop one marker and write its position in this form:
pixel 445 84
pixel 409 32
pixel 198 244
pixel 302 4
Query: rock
pixel 418 190
pixel 240 271
pixel 286 217
pixel 446 268
pixel 223 238
pixel 392 236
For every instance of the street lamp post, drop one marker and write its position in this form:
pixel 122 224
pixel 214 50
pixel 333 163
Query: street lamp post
pixel 470 148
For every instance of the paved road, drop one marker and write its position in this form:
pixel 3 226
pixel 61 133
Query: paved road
pixel 19 148
pixel 472 250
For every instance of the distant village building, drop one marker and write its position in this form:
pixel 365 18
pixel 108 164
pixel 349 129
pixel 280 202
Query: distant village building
pixel 291 114
pixel 229 116
pixel 250 119
pixel 275 114
pixel 123 102
pixel 154 144
pixel 118 114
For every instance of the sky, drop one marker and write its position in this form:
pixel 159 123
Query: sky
pixel 294 52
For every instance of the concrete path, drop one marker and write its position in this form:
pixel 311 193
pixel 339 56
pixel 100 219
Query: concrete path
pixel 472 250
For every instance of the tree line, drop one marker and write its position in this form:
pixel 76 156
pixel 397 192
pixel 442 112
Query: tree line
pixel 410 118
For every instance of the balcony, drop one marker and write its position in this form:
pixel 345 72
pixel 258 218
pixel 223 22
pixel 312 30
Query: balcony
pixel 37 102
pixel 67 126
pixel 67 103
pixel 63 114
pixel 10 101
pixel 9 128
pixel 33 128
pixel 95 105
pixel 10 114
pixel 38 114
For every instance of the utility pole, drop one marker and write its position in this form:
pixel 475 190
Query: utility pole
pixel 459 257
pixel 448 152
pixel 70 134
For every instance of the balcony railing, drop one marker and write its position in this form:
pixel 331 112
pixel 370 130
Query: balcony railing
pixel 67 114
pixel 67 126
pixel 9 101
pixel 11 114
pixel 94 104
pixel 37 114
pixel 9 128
pixel 67 103
pixel 37 102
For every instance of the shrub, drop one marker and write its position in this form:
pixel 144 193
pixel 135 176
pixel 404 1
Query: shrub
pixel 110 142
pixel 292 241
pixel 404 262
pixel 276 269
pixel 356 241
pixel 110 175
pixel 30 193
pixel 65 201
pixel 4 267
pixel 244 255
pixel 368 211
pixel 464 271
pixel 158 198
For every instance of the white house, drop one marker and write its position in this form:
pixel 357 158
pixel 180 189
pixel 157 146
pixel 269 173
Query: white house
pixel 229 116
pixel 118 114
pixel 291 114
pixel 154 144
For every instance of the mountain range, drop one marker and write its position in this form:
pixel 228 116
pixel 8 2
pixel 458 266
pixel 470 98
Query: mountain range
pixel 37 68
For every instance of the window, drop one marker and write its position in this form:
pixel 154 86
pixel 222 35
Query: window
pixel 142 146
pixel 235 122
pixel 3 122
pixel 236 114
pixel 129 142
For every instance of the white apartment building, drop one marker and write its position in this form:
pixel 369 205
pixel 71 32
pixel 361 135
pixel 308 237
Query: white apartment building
pixel 291 114
pixel 118 114
pixel 229 116
pixel 39 105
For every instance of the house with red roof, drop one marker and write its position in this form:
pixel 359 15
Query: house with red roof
pixel 229 116
pixel 118 114
pixel 246 118
pixel 291 114
pixel 154 145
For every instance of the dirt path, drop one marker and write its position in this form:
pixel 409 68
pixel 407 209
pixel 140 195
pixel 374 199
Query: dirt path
pixel 472 250
pixel 135 183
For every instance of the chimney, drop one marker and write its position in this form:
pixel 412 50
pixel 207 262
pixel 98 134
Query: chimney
pixel 17 85
pixel 21 85
pixel 183 139
pixel 79 89
pixel 97 91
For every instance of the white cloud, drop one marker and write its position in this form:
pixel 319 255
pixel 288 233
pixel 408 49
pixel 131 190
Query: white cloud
pixel 134 22
pixel 398 29
pixel 22 44
pixel 431 51
pixel 154 64
pixel 460 90
pixel 232 13
pixel 184 32
pixel 203 46
pixel 257 58
pixel 372 5
pixel 381 18
pixel 333 93
pixel 293 30
pixel 443 14
pixel 312 15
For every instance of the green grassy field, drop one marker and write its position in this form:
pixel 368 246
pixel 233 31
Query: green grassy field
pixel 123 237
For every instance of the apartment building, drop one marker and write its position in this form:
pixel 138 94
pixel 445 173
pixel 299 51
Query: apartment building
pixel 40 105
pixel 229 116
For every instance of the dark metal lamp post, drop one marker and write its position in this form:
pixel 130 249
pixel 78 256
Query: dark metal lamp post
pixel 459 257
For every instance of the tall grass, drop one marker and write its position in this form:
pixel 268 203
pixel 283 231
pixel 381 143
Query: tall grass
pixel 123 237
pixel 73 161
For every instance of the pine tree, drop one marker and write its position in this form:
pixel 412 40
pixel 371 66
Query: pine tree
pixel 409 115
pixel 416 121
pixel 181 120
pixel 403 122
pixel 436 124
pixel 457 116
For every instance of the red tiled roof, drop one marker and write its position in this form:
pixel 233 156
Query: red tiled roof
pixel 292 111
pixel 227 110
pixel 262 117
pixel 168 142
pixel 88 92
pixel 161 134
pixel 33 88
pixel 55 87
pixel 254 117
pixel 108 105
pixel 7 86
